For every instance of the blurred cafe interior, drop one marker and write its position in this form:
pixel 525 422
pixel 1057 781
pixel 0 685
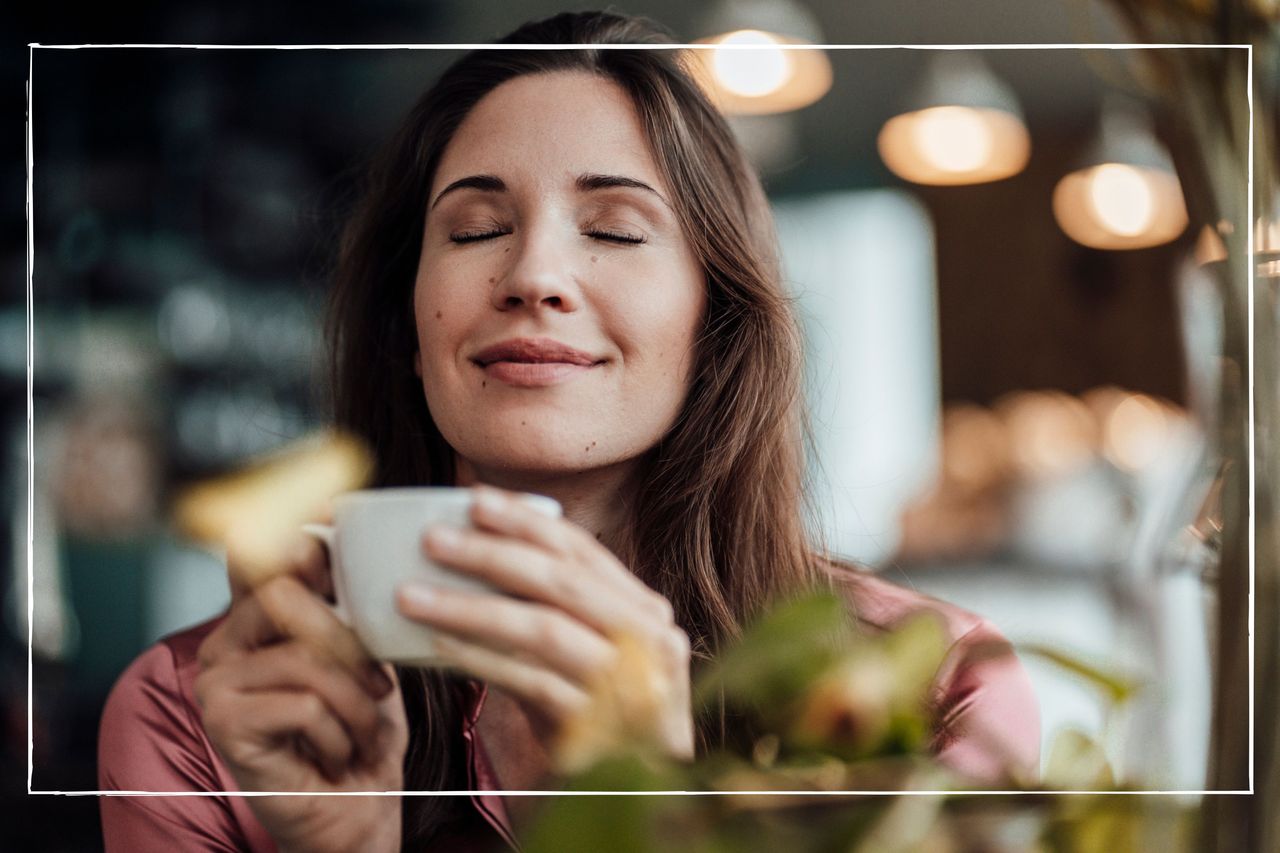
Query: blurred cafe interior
pixel 1011 325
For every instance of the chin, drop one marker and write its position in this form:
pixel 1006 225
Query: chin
pixel 535 449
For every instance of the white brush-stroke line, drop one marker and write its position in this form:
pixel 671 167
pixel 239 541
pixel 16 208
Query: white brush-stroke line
pixel 685 46
pixel 1251 282
pixel 31 456
pixel 852 793
pixel 490 46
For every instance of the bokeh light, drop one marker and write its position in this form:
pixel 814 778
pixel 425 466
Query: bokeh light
pixel 752 73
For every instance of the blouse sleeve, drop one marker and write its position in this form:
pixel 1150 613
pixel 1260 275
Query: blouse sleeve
pixel 988 716
pixel 151 739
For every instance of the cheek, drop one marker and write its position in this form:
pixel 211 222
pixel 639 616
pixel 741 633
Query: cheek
pixel 430 334
pixel 437 305
pixel 684 318
pixel 664 341
pixel 435 320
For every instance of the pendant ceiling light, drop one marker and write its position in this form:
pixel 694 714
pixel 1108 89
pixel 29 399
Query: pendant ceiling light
pixel 1125 195
pixel 751 71
pixel 962 125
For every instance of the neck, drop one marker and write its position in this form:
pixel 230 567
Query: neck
pixel 597 500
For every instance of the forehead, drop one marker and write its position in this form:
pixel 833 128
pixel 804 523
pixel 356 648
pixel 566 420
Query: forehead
pixel 550 127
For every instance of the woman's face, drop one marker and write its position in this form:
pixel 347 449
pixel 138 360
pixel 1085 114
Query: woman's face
pixel 556 299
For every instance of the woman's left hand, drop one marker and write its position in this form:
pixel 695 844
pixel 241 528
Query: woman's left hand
pixel 551 635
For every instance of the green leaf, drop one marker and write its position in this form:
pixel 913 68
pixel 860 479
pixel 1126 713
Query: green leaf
pixel 915 650
pixel 621 822
pixel 779 655
pixel 1119 688
pixel 1077 762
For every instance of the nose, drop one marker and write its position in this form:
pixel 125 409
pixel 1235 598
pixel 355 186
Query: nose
pixel 539 275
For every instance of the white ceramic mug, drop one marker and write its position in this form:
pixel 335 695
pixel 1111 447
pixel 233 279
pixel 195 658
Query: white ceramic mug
pixel 375 545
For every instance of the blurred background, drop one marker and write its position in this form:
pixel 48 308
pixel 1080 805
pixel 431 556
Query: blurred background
pixel 1009 324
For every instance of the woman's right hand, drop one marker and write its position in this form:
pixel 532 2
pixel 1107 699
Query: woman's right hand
pixel 292 702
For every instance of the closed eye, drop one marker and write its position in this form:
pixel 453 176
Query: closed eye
pixel 476 236
pixel 616 236
pixel 608 235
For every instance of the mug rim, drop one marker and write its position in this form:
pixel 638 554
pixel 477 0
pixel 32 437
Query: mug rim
pixel 405 492
pixel 401 492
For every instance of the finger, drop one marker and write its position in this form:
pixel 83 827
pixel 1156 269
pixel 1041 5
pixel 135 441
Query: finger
pixel 544 690
pixel 504 513
pixel 309 561
pixel 271 613
pixel 245 725
pixel 298 667
pixel 274 714
pixel 250 625
pixel 526 571
pixel 563 643
pixel 296 612
pixel 245 629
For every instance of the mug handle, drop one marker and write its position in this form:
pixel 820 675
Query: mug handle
pixel 325 533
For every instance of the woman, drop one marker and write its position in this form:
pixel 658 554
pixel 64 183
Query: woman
pixel 563 279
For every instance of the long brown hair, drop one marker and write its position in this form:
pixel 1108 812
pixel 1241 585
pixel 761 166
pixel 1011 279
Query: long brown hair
pixel 718 514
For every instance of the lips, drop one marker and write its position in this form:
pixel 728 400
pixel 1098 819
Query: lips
pixel 533 351
pixel 534 362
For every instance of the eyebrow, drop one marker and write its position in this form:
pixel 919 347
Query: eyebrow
pixel 588 182
pixel 484 183
pixel 584 183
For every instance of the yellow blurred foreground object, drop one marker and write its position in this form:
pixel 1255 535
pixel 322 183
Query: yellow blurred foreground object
pixel 625 710
pixel 257 512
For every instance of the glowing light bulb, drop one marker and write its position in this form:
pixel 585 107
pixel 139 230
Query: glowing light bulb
pixel 752 73
pixel 954 139
pixel 1121 199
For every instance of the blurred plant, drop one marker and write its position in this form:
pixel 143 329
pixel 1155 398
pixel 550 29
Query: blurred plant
pixel 805 675
pixel 623 708
pixel 832 709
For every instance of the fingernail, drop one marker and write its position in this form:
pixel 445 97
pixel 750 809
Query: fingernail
pixel 419 594
pixel 446 538
pixel 490 501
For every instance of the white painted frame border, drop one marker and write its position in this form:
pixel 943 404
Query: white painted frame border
pixel 32 47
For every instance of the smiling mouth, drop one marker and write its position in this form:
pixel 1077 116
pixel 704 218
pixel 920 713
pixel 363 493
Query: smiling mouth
pixel 533 362
pixel 535 374
pixel 532 351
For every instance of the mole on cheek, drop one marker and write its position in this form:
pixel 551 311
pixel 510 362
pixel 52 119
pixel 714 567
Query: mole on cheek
pixel 439 314
pixel 492 279
pixel 594 259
